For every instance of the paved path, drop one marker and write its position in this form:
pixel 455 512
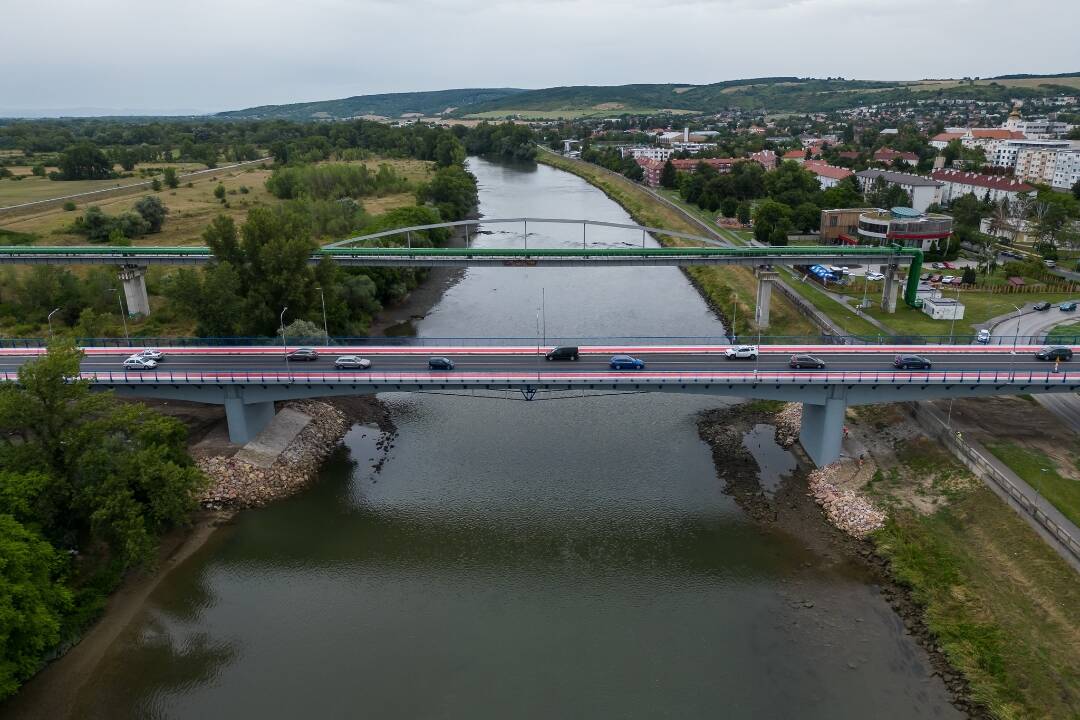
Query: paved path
pixel 1033 323
pixel 1066 407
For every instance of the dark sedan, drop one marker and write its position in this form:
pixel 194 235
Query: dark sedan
pixel 1041 307
pixel 911 362
pixel 1054 352
pixel 440 363
pixel 800 362
pixel 304 353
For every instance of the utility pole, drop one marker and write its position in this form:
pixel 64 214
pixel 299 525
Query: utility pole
pixel 123 315
pixel 325 331
pixel 1016 336
pixel 952 325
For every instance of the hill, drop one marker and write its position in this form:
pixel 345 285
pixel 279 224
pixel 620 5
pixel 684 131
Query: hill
pixel 390 105
pixel 772 94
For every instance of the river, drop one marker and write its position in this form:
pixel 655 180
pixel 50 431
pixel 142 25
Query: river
pixel 560 558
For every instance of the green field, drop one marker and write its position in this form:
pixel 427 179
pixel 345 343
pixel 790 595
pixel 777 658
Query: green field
pixel 31 188
pixel 978 308
pixel 1041 473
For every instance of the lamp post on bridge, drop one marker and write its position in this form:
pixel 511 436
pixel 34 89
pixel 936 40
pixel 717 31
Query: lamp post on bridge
pixel 284 345
pixel 1016 337
pixel 326 333
pixel 50 320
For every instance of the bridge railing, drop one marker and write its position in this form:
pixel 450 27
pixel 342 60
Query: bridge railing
pixel 551 340
pixel 464 378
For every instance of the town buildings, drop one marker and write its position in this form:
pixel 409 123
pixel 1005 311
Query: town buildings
pixel 826 174
pixel 956 183
pixel 924 191
pixel 889 156
pixel 903 226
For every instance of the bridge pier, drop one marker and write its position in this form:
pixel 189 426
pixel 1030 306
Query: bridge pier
pixel 246 420
pixel 822 428
pixel 890 291
pixel 766 277
pixel 134 280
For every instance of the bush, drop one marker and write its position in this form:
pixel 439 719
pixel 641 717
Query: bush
pixel 219 192
pixel 153 211
pixel 38 170
pixel 171 178
pixel 155 185
pixel 69 206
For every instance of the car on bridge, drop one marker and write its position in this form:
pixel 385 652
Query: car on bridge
pixel 440 362
pixel 626 362
pixel 352 362
pixel 800 362
pixel 150 354
pixel 911 362
pixel 741 352
pixel 1054 352
pixel 1067 306
pixel 1041 307
pixel 304 353
pixel 563 352
pixel 139 363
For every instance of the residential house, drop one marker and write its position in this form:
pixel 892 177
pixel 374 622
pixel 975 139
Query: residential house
pixel 889 156
pixel 991 187
pixel 826 174
pixel 924 191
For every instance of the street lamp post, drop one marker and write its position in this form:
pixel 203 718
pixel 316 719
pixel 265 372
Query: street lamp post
pixel 50 320
pixel 326 332
pixel 284 345
pixel 952 326
pixel 123 315
pixel 734 313
pixel 1016 337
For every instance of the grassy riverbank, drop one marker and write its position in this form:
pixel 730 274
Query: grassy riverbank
pixel 1003 606
pixel 724 287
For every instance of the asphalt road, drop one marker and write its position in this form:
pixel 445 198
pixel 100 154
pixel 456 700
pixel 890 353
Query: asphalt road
pixel 524 359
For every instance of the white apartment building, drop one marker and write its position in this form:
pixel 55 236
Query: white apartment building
pixel 1066 169
pixel 1035 164
pixel 649 153
pixel 1037 128
pixel 1005 152
pixel 992 187
pixel 924 191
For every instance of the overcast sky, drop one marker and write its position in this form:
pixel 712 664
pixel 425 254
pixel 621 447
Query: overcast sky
pixel 210 55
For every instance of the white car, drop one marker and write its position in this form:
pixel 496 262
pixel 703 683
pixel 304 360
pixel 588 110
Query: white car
pixel 150 354
pixel 354 362
pixel 947 279
pixel 139 363
pixel 874 276
pixel 741 352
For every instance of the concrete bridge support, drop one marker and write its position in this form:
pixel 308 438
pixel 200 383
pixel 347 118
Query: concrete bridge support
pixel 891 290
pixel 766 277
pixel 134 279
pixel 823 428
pixel 246 420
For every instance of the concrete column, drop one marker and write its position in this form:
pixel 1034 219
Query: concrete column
pixel 246 420
pixel 889 292
pixel 766 277
pixel 823 429
pixel 134 279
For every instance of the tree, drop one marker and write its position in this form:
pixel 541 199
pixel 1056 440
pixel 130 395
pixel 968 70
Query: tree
pixel 38 170
pixel 791 184
pixel 153 211
pixel 729 206
pixel 769 216
pixel 452 190
pixel 1076 190
pixel 449 151
pixel 171 178
pixel 304 332
pixel 219 192
pixel 84 161
pixel 968 277
pixel 33 600
pixel 668 175
pixel 743 213
pixel 967 211
pixel 806 217
pixel 884 194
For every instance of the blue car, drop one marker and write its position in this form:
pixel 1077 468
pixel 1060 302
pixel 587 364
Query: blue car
pixel 440 363
pixel 1067 306
pixel 626 362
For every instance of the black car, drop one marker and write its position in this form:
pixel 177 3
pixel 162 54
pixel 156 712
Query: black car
pixel 911 362
pixel 440 363
pixel 563 352
pixel 304 353
pixel 1054 352
pixel 806 361
pixel 1041 306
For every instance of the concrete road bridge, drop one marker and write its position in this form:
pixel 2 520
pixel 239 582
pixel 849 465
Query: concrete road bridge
pixel 367 251
pixel 249 380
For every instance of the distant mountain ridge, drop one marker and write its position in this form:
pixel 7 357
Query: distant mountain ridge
pixel 772 94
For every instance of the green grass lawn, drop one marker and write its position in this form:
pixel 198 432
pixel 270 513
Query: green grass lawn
pixel 1065 333
pixel 978 308
pixel 1005 608
pixel 1041 473
pixel 843 316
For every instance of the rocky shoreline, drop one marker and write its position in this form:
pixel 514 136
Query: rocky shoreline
pixel 835 522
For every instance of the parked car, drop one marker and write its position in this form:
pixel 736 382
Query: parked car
pixel 1041 307
pixel 1054 352
pixel 139 363
pixel 304 353
pixel 878 276
pixel 948 266
pixel 983 338
pixel 626 362
pixel 1050 263
pixel 911 362
pixel 150 354
pixel 741 352
pixel 563 352
pixel 800 362
pixel 947 279
pixel 935 278
pixel 936 266
pixel 1067 306
pixel 440 363
pixel 924 277
pixel 354 362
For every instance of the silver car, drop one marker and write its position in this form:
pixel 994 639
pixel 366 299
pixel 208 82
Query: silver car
pixel 150 354
pixel 136 362
pixel 352 362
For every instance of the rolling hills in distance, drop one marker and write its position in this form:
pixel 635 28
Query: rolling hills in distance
pixel 772 94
